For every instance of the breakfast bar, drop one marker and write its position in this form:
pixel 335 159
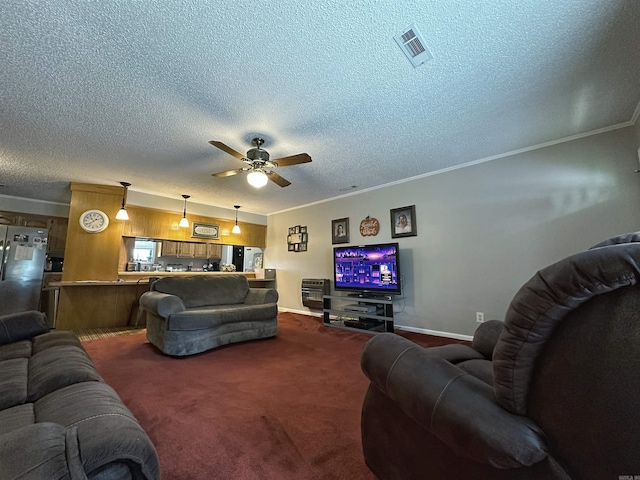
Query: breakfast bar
pixel 113 303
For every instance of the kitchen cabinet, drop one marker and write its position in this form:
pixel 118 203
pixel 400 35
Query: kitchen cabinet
pixel 186 249
pixel 214 250
pixel 191 249
pixel 170 249
pixel 57 236
pixel 201 250
pixel 57 227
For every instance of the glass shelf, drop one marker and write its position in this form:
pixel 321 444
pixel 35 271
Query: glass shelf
pixel 353 319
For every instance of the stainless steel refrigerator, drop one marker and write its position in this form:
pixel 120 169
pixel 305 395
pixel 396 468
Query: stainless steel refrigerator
pixel 23 252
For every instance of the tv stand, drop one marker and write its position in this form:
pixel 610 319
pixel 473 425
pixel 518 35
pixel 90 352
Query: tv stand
pixel 378 320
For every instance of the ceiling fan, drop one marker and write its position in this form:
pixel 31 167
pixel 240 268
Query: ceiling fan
pixel 258 165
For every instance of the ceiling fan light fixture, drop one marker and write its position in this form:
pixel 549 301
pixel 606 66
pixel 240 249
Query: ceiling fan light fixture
pixel 257 178
pixel 183 221
pixel 236 227
pixel 257 161
pixel 122 213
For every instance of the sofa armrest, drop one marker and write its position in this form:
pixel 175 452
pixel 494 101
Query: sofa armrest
pixel 41 450
pixel 259 296
pixel 456 407
pixel 15 327
pixel 161 304
pixel 486 337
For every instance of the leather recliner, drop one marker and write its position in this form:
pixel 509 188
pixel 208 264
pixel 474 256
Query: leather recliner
pixel 553 392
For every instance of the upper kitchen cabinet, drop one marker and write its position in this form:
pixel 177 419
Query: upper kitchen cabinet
pixel 57 235
pixel 208 250
pixel 191 249
pixel 186 249
pixel 57 227
pixel 169 248
pixel 200 250
pixel 214 250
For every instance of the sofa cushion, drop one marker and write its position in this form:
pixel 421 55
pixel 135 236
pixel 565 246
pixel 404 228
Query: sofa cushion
pixel 209 317
pixel 55 338
pixel 200 290
pixel 482 369
pixel 22 326
pixel 15 350
pixel 16 417
pixel 13 382
pixel 58 367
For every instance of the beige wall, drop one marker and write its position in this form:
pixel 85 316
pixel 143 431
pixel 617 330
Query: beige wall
pixel 483 230
pixel 637 130
pixel 34 207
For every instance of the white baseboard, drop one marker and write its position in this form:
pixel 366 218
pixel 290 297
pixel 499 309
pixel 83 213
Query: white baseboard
pixel 425 331
pixel 436 333
pixel 301 312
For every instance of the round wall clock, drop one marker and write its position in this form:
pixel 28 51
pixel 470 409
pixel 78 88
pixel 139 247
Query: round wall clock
pixel 94 221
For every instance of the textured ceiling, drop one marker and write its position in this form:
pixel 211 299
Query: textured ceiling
pixel 126 90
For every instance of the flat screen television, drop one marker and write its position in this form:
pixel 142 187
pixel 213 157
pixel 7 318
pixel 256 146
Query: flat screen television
pixel 367 269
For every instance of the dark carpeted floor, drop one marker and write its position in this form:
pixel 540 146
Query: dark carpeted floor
pixel 281 408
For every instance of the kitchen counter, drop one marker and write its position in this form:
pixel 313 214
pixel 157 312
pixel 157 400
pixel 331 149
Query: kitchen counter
pixel 141 278
pixel 89 283
pixel 114 303
pixel 129 275
pixel 98 304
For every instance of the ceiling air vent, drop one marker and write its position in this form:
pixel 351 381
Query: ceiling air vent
pixel 411 43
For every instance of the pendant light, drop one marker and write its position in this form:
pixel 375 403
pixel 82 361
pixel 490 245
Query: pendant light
pixel 122 213
pixel 236 227
pixel 183 221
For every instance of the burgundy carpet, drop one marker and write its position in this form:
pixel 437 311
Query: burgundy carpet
pixel 281 408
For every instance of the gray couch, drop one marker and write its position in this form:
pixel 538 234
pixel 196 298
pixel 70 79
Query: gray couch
pixel 187 315
pixel 553 392
pixel 58 419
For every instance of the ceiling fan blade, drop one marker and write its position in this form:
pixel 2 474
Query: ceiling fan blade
pixel 292 160
pixel 227 149
pixel 277 179
pixel 228 173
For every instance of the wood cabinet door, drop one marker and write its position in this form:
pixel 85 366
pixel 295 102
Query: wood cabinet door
pixel 170 249
pixel 186 249
pixel 214 250
pixel 201 250
pixel 57 236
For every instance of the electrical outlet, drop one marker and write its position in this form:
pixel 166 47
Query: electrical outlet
pixel 479 317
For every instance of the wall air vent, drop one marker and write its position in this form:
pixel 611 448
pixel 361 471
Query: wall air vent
pixel 411 43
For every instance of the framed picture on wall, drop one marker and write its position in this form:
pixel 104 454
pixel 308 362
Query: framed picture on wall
pixel 403 222
pixel 297 238
pixel 340 230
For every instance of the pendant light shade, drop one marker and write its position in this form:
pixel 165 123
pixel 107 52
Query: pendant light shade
pixel 236 227
pixel 122 213
pixel 183 221
pixel 257 178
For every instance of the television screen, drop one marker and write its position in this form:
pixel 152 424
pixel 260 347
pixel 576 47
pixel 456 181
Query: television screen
pixel 367 268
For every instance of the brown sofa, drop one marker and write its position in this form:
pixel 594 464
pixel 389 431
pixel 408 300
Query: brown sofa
pixel 551 393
